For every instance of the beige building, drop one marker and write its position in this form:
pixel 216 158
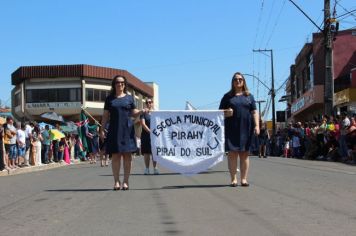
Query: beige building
pixel 66 89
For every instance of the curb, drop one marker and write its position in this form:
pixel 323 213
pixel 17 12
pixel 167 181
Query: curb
pixel 31 169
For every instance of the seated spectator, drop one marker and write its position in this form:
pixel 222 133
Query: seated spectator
pixel 333 150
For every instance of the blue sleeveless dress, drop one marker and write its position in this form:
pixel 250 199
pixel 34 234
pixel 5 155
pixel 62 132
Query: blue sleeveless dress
pixel 121 133
pixel 238 128
pixel 145 136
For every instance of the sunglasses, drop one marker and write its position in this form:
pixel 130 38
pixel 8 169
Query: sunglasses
pixel 149 102
pixel 120 82
pixel 239 79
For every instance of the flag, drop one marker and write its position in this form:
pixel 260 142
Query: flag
pixel 82 122
pixel 189 107
pixel 93 129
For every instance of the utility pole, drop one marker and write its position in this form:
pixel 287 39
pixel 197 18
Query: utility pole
pixel 329 81
pixel 272 92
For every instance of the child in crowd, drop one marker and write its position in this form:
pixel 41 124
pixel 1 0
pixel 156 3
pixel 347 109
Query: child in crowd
pixel 287 147
pixel 61 146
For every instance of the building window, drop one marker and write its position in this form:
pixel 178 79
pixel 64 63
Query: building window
pixel 96 95
pixel 74 95
pixel 294 89
pixel 17 100
pixel 311 72
pixel 53 95
pixel 89 92
pixel 305 80
pixel 63 95
pixel 103 95
pixel 299 87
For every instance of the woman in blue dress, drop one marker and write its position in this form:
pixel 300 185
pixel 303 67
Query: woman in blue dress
pixel 263 138
pixel 120 140
pixel 146 139
pixel 241 122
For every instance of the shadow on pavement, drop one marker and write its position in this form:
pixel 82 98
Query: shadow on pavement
pixel 135 189
pixel 79 190
pixel 164 174
pixel 196 186
pixel 213 172
pixel 138 174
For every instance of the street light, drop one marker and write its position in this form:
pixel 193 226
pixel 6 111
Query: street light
pixel 254 76
pixel 270 92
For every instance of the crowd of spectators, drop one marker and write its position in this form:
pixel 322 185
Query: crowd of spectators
pixel 27 144
pixel 333 138
pixel 329 139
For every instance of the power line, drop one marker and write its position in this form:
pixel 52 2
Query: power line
pixel 347 11
pixel 258 23
pixel 305 14
pixel 282 85
pixel 267 23
pixel 334 9
pixel 276 23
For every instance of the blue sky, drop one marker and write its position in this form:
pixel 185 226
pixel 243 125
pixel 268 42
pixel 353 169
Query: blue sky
pixel 190 48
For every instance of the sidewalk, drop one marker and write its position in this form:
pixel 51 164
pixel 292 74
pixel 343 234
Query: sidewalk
pixel 29 169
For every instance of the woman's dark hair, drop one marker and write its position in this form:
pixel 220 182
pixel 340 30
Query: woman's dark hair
pixel 148 99
pixel 244 88
pixel 37 129
pixel 113 82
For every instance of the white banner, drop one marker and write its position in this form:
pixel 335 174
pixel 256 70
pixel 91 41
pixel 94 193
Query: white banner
pixel 187 142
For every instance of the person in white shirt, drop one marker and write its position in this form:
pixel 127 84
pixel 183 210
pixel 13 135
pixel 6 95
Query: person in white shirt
pixel 345 124
pixel 21 143
pixel 28 133
pixel 287 147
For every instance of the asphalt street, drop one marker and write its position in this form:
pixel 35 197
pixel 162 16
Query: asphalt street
pixel 285 197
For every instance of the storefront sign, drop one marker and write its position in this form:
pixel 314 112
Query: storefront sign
pixel 344 96
pixel 352 108
pixel 314 95
pixel 54 105
pixel 298 105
